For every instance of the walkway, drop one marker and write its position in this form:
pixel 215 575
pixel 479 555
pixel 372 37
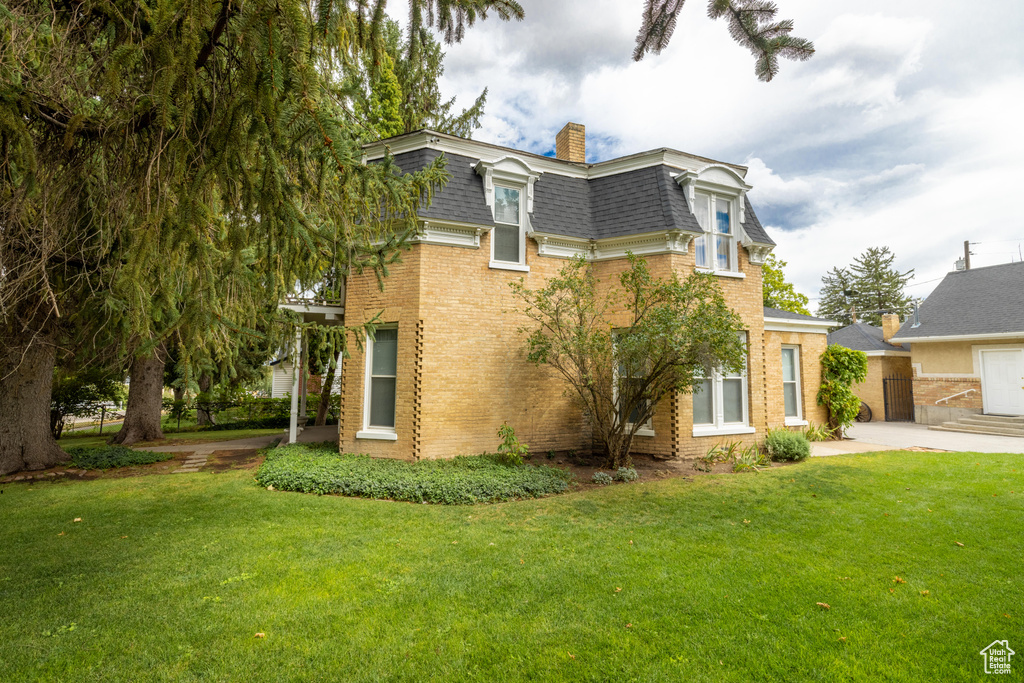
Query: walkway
pixel 885 436
pixel 200 452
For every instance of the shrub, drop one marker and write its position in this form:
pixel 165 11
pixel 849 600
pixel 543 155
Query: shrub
pixel 602 478
pixel 626 474
pixel 107 457
pixel 785 445
pixel 510 451
pixel 320 469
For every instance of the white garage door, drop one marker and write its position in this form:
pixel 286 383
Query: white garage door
pixel 1002 382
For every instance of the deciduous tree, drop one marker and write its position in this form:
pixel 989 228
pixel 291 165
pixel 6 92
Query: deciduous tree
pixel 777 292
pixel 623 349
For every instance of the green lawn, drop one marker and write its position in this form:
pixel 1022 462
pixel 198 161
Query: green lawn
pixel 169 578
pixel 94 439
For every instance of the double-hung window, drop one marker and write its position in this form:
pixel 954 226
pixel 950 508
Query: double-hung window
pixel 381 378
pixel 630 381
pixel 791 384
pixel 720 404
pixel 716 248
pixel 507 240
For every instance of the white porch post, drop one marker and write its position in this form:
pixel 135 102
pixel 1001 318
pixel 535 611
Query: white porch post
pixel 303 378
pixel 293 431
pixel 341 399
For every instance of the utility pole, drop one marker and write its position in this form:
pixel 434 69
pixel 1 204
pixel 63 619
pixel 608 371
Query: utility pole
pixel 967 255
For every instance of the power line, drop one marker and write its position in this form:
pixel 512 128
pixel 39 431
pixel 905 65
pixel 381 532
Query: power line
pixel 927 281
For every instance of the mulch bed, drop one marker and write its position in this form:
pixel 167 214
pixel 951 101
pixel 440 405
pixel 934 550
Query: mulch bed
pixel 649 468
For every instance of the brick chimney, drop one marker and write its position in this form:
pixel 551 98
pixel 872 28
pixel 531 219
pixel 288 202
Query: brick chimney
pixel 890 326
pixel 571 143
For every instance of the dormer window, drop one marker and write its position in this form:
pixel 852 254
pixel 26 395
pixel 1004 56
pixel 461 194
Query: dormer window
pixel 508 190
pixel 717 197
pixel 508 242
pixel 716 248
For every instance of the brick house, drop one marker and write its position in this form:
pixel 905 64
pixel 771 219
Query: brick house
pixel 967 350
pixel 447 368
pixel 885 360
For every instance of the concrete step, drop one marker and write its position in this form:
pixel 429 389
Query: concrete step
pixel 976 429
pixel 996 419
pixel 982 422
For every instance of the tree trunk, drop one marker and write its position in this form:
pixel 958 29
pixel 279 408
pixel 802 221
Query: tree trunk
pixel 145 394
pixel 179 393
pixel 325 397
pixel 26 375
pixel 203 415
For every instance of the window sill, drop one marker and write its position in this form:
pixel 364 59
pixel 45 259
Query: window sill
pixel 722 431
pixel 795 422
pixel 503 265
pixel 379 435
pixel 644 431
pixel 722 273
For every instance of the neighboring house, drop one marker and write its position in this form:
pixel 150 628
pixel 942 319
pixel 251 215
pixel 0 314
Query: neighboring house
pixel 448 368
pixel 967 347
pixel 886 361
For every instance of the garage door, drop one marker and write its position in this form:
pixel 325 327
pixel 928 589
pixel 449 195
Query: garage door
pixel 1002 382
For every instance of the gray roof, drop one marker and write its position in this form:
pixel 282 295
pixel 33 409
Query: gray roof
pixel 972 302
pixel 862 337
pixel 630 203
pixel 788 315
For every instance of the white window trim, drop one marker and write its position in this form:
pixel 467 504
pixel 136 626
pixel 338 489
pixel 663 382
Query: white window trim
pixel 519 265
pixel 710 253
pixel 376 432
pixel 721 273
pixel 798 419
pixel 720 427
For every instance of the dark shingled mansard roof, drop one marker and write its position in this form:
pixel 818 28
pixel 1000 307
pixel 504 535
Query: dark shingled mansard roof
pixel 862 337
pixel 629 203
pixel 972 302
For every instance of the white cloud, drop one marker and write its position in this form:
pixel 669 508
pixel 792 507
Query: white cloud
pixel 901 131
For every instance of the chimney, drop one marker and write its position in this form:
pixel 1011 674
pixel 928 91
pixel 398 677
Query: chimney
pixel 890 326
pixel 571 143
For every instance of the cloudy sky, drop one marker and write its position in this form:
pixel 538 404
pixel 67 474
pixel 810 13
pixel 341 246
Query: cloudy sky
pixel 904 130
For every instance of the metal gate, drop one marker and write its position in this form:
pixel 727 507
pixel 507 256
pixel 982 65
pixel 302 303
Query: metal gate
pixel 899 399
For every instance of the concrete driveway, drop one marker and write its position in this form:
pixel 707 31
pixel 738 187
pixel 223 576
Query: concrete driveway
pixel 875 436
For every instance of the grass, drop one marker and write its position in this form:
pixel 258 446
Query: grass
pixel 107 457
pixel 94 439
pixel 169 578
pixel 319 468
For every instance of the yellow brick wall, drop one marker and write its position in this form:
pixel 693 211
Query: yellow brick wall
pixel 811 348
pixel 462 370
pixel 871 390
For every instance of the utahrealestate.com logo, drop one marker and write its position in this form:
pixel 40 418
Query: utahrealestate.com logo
pixel 997 657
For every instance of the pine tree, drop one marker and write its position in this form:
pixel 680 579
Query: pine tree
pixel 777 292
pixel 874 287
pixel 170 171
pixel 421 102
pixel 751 24
pixel 832 302
pixel 879 286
